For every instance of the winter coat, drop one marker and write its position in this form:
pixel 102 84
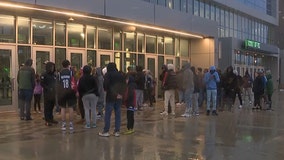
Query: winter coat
pixel 48 81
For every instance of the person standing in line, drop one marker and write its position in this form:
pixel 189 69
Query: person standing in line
pixel 195 94
pixel 26 83
pixel 130 102
pixel 211 79
pixel 247 86
pixel 101 99
pixel 229 83
pixel 114 85
pixel 201 87
pixel 238 88
pixel 180 88
pixel 66 94
pixel 88 90
pixel 188 87
pixel 258 90
pixel 37 94
pixel 269 89
pixel 169 85
pixel 48 82
pixel 140 82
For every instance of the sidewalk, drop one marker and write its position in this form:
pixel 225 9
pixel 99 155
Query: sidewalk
pixel 243 134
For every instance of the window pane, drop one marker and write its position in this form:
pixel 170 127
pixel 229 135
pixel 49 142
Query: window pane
pixel 24 53
pixel 177 5
pixel 7 29
pixel 60 34
pixel 141 42
pixel 160 45
pixel 162 2
pixel 169 46
pixel 141 60
pixel 76 35
pixel 91 34
pixel 91 58
pixel 23 30
pixel 105 38
pixel 117 39
pixel 177 47
pixel 60 55
pixel 42 32
pixel 183 6
pixel 151 44
pixel 129 42
pixel 130 60
pixel 118 60
pixel 184 48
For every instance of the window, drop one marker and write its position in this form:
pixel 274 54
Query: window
pixel 141 42
pixel 160 45
pixel 24 53
pixel 23 30
pixel 60 34
pixel 169 46
pixel 60 55
pixel 42 32
pixel 91 35
pixel 184 48
pixel 129 41
pixel 117 39
pixel 76 35
pixel 151 44
pixel 91 58
pixel 7 29
pixel 105 38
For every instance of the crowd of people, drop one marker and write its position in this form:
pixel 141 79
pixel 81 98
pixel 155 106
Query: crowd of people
pixel 99 91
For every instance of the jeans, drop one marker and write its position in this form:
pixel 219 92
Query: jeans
pixel 180 96
pixel 195 102
pixel 188 99
pixel 201 97
pixel 25 98
pixel 108 109
pixel 212 93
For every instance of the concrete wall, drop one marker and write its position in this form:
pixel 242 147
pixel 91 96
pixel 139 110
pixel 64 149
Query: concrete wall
pixel 281 70
pixel 226 52
pixel 202 52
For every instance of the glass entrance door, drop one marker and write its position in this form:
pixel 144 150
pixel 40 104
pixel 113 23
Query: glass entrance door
pixel 40 56
pixel 104 58
pixel 152 66
pixel 77 59
pixel 7 77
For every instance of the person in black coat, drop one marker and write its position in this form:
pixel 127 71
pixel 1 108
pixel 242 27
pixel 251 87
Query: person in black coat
pixel 48 83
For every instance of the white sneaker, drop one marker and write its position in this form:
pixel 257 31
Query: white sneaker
pixel 116 134
pixel 104 134
pixel 185 115
pixel 71 127
pixel 63 127
pixel 240 106
pixel 164 113
pixel 178 104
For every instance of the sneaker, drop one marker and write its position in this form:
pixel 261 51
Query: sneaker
pixel 164 113
pixel 38 111
pixel 178 104
pixel 129 131
pixel 116 134
pixel 196 114
pixel 208 112
pixel 185 115
pixel 104 134
pixel 48 124
pixel 173 113
pixel 214 113
pixel 94 126
pixel 250 102
pixel 87 126
pixel 63 127
pixel 240 107
pixel 71 127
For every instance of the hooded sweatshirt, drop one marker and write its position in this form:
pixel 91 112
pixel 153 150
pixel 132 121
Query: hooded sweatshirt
pixel 211 79
pixel 48 80
pixel 87 83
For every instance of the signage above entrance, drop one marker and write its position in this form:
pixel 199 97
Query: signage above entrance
pixel 252 44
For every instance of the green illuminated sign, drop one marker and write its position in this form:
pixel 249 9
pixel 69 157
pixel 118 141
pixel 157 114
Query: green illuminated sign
pixel 252 44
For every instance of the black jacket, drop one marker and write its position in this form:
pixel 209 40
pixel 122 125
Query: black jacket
pixel 114 83
pixel 87 85
pixel 48 81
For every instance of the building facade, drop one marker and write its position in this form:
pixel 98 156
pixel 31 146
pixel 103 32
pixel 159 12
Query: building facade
pixel 149 33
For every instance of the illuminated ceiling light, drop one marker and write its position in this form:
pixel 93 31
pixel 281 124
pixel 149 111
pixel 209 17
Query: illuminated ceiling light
pixel 102 19
pixel 70 19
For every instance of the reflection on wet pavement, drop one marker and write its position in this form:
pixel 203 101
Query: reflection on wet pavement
pixel 242 134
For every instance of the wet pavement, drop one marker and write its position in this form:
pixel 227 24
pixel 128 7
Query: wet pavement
pixel 242 134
